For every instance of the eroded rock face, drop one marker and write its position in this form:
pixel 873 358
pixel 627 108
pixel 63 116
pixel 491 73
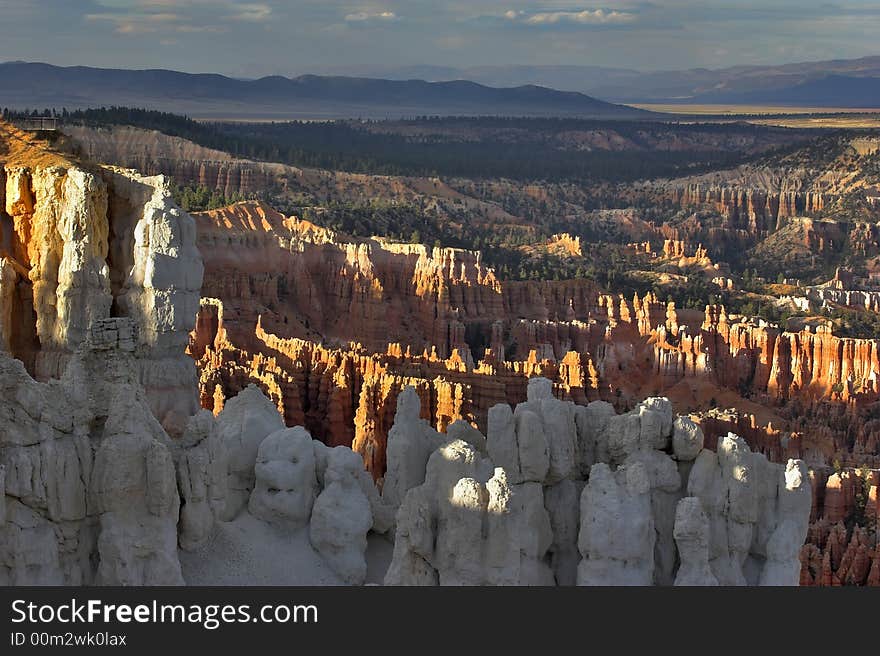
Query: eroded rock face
pixel 742 523
pixel 837 554
pixel 342 517
pixel 340 378
pixel 90 483
pixel 691 534
pixel 749 501
pixel 297 294
pixel 107 466
pixel 458 529
pixel 538 442
pixel 286 483
pixel 90 244
pixel 245 422
pixel 135 494
pixel 755 209
pixel 345 394
pixel 562 502
pixel 332 328
pixel 687 439
pixel 784 544
pixel 156 279
pixel 201 463
pixel 617 530
pixel 93 377
pixel 411 442
pixel 301 483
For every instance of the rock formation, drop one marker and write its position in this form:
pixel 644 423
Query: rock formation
pixel 842 546
pixel 467 341
pixel 286 479
pixel 343 385
pixel 87 244
pixel 201 461
pixel 342 516
pixel 411 441
pixel 245 421
pixel 691 532
pixel 106 282
pixel 757 210
pixel 743 522
pixel 617 528
pixel 153 153
pixel 342 382
pixel 107 467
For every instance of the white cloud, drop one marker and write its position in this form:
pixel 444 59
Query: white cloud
pixel 148 16
pixel 363 16
pixel 255 12
pixel 585 17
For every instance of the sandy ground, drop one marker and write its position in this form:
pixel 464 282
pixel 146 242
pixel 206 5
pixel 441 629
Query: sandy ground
pixel 379 551
pixel 247 551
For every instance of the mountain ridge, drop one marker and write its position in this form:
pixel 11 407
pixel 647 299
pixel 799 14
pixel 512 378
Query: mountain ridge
pixel 757 83
pixel 306 96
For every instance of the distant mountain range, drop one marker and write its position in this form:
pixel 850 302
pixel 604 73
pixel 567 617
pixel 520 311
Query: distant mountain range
pixel 30 85
pixel 835 83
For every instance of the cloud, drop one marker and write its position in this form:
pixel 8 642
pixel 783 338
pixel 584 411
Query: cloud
pixel 254 12
pixel 584 17
pixel 167 16
pixel 364 16
pixel 269 36
pixel 138 23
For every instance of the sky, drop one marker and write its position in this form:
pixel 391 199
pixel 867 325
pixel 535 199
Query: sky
pixel 255 38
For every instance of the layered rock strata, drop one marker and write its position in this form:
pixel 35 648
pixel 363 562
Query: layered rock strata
pixel 81 244
pixel 100 286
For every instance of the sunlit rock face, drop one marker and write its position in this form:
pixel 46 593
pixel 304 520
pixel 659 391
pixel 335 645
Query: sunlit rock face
pixel 84 243
pixel 100 279
pixel 464 354
pixel 332 328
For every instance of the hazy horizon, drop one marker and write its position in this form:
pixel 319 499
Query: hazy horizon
pixel 254 39
pixel 368 70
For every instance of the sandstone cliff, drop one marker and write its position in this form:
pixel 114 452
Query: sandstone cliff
pixel 347 396
pixel 293 293
pixel 308 282
pixel 100 284
pixel 83 243
pixel 153 153
pixel 754 210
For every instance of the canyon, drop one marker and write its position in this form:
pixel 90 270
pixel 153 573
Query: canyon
pixel 317 334
pixel 466 341
pixel 308 300
pixel 112 475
